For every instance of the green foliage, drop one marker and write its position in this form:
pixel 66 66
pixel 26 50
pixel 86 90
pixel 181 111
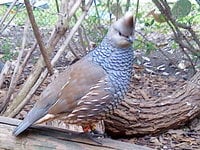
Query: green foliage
pixel 149 47
pixel 93 29
pixel 2 9
pixel 174 45
pixel 161 18
pixel 149 22
pixel 146 45
pixel 138 44
pixel 181 9
pixel 44 17
pixel 6 49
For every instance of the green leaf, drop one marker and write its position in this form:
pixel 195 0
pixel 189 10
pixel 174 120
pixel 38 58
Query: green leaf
pixel 150 47
pixel 149 23
pixel 181 9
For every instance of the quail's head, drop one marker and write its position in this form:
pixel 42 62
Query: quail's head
pixel 121 32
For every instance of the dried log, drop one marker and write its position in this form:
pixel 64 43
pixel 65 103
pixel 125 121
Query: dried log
pixel 50 138
pixel 140 117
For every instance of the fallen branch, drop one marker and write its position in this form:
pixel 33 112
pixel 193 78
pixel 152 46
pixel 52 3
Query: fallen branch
pixel 40 137
pixel 152 116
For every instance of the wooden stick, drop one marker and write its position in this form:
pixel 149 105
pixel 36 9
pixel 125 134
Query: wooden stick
pixel 38 36
pixel 7 12
pixel 56 57
pixel 4 72
pixel 60 28
pixel 74 29
pixel 15 75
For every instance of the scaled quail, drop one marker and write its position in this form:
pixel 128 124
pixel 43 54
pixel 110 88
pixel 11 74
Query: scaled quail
pixel 93 86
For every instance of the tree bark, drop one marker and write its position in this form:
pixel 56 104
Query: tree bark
pixel 41 137
pixel 140 117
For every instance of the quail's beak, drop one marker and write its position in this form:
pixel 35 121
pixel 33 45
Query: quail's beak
pixel 130 39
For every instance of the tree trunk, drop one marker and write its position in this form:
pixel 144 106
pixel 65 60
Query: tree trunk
pixel 140 117
pixel 41 137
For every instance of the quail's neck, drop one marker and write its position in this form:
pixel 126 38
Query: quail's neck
pixel 117 62
pixel 113 58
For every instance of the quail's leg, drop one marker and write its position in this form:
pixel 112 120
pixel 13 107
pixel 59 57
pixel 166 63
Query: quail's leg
pixel 96 132
pixel 91 132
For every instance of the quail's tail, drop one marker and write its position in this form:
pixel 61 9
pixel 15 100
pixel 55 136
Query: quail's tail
pixel 31 118
pixel 22 126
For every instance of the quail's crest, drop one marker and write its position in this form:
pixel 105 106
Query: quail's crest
pixel 121 32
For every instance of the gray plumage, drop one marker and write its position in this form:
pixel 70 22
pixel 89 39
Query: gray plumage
pixel 117 62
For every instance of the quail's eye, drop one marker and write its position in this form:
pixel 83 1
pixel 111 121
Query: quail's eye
pixel 123 35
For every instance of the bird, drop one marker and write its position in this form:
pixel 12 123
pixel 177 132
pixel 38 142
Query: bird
pixel 91 88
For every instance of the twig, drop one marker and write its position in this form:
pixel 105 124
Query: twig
pixel 186 54
pixel 145 38
pixel 72 50
pixel 23 64
pixel 165 9
pixel 57 33
pixel 108 4
pixel 5 26
pixel 57 6
pixel 56 57
pixel 80 36
pixel 7 13
pixel 97 12
pixel 127 5
pixel 194 36
pixel 75 47
pixel 29 95
pixel 136 15
pixel 73 30
pixel 27 57
pixel 15 75
pixel 38 36
pixel 4 72
pixel 118 6
pixel 179 36
pixel 85 35
pixel 74 8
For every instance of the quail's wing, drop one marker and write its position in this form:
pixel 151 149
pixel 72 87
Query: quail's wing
pixel 94 105
pixel 84 78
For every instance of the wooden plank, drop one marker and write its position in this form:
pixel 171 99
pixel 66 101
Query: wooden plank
pixel 49 138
